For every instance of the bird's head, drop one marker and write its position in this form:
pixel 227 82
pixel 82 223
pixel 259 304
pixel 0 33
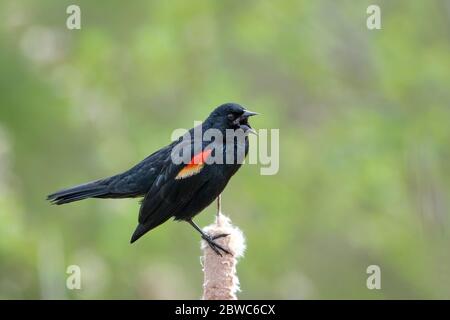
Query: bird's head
pixel 231 116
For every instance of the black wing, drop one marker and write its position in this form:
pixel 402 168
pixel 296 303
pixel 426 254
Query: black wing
pixel 167 195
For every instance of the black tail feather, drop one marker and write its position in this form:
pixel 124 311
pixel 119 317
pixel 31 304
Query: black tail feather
pixel 88 190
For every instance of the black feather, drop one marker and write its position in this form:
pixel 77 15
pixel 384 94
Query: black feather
pixel 80 192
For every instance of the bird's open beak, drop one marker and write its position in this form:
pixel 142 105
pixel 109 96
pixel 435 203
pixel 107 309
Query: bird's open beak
pixel 244 121
pixel 248 113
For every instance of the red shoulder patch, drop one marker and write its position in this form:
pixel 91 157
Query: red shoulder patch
pixel 195 165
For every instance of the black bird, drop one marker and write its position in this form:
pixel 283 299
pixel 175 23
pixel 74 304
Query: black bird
pixel 175 188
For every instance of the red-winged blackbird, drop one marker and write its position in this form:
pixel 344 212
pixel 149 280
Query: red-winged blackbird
pixel 177 189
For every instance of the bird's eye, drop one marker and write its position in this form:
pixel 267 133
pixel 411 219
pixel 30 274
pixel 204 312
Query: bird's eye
pixel 230 116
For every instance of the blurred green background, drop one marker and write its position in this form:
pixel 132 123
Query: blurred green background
pixel 364 144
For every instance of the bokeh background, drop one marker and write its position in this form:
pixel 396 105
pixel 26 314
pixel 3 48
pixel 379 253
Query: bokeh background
pixel 364 144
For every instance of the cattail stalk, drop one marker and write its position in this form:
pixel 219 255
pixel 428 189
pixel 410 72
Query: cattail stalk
pixel 220 278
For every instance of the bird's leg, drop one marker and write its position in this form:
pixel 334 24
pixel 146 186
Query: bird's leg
pixel 210 240
pixel 219 205
pixel 219 212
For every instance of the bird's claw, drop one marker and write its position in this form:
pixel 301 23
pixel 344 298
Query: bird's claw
pixel 222 235
pixel 214 245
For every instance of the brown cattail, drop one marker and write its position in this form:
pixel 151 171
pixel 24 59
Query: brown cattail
pixel 220 278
